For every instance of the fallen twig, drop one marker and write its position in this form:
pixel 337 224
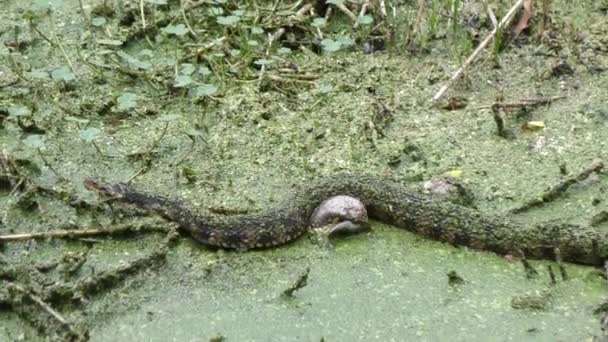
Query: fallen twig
pixel 75 234
pixel 533 102
pixel 504 22
pixel 554 192
pixel 299 283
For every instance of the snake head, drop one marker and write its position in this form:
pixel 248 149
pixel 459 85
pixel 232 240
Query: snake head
pixel 104 188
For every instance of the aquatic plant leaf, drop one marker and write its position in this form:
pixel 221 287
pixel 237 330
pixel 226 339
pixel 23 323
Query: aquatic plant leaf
pixel 182 81
pixel 89 134
pixel 330 45
pixel 263 61
pixel 187 69
pixel 205 90
pixel 98 21
pixel 157 2
pixel 365 20
pixel 228 20
pixel 63 74
pixel 178 30
pixel 34 141
pixel 126 101
pixel 319 22
pixel 204 71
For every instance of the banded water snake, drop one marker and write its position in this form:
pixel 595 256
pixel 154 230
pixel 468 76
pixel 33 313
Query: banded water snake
pixel 385 201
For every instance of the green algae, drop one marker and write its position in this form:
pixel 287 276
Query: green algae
pixel 383 285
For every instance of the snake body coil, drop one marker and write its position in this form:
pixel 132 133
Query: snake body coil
pixel 385 201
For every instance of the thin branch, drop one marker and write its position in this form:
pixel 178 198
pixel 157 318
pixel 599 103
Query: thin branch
pixel 504 22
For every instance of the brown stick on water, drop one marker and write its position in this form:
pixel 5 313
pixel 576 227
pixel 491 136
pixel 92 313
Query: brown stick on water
pixel 557 190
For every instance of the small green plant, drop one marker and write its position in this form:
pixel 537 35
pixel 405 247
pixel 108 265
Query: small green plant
pixel 89 135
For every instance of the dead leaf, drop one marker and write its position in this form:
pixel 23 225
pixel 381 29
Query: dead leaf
pixel 525 18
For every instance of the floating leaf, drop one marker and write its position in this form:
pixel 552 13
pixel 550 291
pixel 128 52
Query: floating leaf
pixel 330 45
pixel 63 74
pixel 263 61
pixel 335 2
pixel 235 52
pixel 98 21
pixel 205 90
pixel 204 71
pixel 126 101
pixel 178 30
pixel 157 2
pixel 134 61
pixel 238 13
pixel 228 20
pixel 365 19
pixel 182 81
pixel 253 43
pixel 345 40
pixel 187 69
pixel 284 51
pixel 319 22
pixel 19 111
pixel 34 141
pixel 257 30
pixel 89 134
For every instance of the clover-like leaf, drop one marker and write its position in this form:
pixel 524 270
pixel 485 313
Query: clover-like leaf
pixel 187 69
pixel 365 20
pixel 98 21
pixel 319 22
pixel 182 81
pixel 63 74
pixel 205 90
pixel 330 45
pixel 178 30
pixel 229 20
pixel 126 101
pixel 204 71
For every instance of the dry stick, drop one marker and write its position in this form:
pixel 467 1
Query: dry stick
pixel 595 166
pixel 346 11
pixel 505 21
pixel 72 234
pixel 183 10
pixel 60 45
pixel 143 17
pixel 523 103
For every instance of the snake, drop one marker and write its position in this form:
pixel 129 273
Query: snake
pixel 386 201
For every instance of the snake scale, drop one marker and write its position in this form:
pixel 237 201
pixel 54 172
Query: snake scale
pixel 386 201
